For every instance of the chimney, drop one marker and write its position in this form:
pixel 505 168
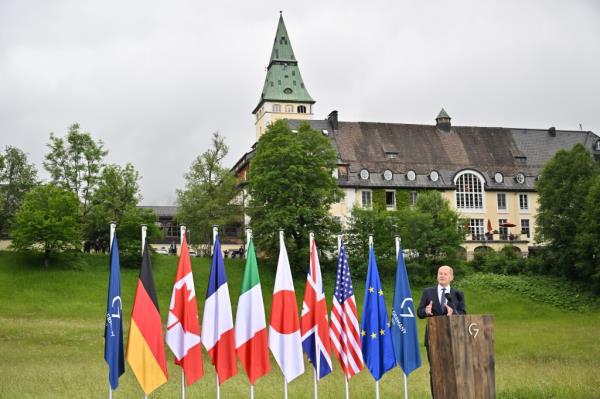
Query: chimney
pixel 552 131
pixel 333 119
pixel 442 121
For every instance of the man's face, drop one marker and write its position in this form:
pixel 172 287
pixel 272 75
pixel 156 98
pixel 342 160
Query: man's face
pixel 445 276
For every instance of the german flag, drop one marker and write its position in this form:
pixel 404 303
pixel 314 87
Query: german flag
pixel 145 345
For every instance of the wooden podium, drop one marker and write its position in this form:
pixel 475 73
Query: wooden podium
pixel 461 351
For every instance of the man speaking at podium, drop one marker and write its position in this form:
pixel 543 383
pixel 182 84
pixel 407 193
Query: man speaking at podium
pixel 440 300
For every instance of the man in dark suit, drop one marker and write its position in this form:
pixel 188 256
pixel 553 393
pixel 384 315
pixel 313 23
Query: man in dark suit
pixel 440 300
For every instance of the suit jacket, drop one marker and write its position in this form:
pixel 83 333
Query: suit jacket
pixel 456 302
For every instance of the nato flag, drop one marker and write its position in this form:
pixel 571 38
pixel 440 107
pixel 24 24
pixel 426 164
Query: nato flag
pixel 375 337
pixel 404 324
pixel 113 331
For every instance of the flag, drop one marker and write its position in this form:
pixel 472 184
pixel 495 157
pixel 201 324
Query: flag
pixel 145 345
pixel 314 325
pixel 113 328
pixel 250 325
pixel 376 340
pixel 344 332
pixel 183 326
pixel 404 324
pixel 284 326
pixel 218 335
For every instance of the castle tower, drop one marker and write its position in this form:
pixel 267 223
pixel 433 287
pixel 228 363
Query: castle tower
pixel 284 94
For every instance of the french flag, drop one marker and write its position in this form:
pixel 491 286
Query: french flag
pixel 218 334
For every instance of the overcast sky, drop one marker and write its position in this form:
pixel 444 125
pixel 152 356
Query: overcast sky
pixel 154 79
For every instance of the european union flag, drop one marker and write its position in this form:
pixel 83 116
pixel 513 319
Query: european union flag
pixel 113 331
pixel 376 340
pixel 404 324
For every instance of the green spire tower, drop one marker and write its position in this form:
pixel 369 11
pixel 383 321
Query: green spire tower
pixel 284 94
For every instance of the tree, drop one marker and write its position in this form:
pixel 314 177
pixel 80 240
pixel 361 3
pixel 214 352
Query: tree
pixel 115 200
pixel 586 242
pixel 17 177
pixel 566 202
pixel 210 193
pixel 75 163
pixel 291 187
pixel 430 229
pixel 48 219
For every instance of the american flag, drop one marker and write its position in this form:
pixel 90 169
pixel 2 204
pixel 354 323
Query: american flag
pixel 344 331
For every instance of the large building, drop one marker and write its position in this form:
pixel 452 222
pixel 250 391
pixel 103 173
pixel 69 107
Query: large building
pixel 487 173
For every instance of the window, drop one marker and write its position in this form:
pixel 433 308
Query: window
pixel 503 230
pixel 476 227
pixel 301 109
pixel 366 199
pixel 501 201
pixel 523 202
pixel 276 108
pixel 391 155
pixel 390 199
pixel 289 108
pixel 525 228
pixel 598 145
pixel 412 197
pixel 171 229
pixel 342 172
pixel 469 192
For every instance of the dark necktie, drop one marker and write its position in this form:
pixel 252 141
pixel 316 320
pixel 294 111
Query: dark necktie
pixel 444 299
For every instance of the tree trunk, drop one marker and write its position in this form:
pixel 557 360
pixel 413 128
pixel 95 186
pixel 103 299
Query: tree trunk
pixel 46 258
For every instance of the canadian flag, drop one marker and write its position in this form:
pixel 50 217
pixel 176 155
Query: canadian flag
pixel 183 326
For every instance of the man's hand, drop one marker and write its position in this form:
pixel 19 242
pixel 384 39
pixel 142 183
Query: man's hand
pixel 428 311
pixel 449 310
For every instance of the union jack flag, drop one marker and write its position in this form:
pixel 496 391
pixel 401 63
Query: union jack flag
pixel 314 326
pixel 344 332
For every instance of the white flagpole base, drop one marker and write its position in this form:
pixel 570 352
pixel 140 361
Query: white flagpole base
pixel 376 389
pixel 405 387
pixel 347 387
pixel 182 383
pixel 218 388
pixel 285 389
pixel 315 384
pixel 251 391
pixel 109 391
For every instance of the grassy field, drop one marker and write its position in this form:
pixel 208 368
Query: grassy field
pixel 52 324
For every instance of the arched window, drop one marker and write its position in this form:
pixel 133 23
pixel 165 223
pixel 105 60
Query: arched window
pixel 469 191
pixel 276 108
pixel 301 109
pixel 289 108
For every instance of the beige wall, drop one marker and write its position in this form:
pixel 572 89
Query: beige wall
pixel 265 115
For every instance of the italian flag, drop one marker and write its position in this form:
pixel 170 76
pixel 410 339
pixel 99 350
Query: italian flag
pixel 250 326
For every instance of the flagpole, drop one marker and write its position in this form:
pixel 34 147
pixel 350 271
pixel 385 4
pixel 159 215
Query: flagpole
pixel 376 382
pixel 218 388
pixel 144 232
pixel 251 391
pixel 113 228
pixel 248 237
pixel 285 387
pixel 182 230
pixel 311 239
pixel 403 373
pixel 215 233
pixel 347 386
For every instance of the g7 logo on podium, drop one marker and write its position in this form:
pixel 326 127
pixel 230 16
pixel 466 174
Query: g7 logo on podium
pixel 473 330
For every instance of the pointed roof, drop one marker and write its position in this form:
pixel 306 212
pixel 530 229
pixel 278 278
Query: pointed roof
pixel 443 114
pixel 283 81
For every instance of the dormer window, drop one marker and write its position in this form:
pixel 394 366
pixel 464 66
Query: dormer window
pixel 301 109
pixel 276 108
pixel 289 108
pixel 598 145
pixel 391 155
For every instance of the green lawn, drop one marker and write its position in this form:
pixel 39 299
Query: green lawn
pixel 52 324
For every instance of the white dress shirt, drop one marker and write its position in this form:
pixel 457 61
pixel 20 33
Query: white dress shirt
pixel 439 292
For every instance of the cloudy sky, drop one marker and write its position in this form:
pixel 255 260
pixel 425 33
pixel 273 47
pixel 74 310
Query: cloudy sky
pixel 154 79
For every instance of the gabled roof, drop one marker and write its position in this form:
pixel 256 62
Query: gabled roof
pixel 283 81
pixel 402 147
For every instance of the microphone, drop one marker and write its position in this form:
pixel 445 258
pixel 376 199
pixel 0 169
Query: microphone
pixel 449 300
